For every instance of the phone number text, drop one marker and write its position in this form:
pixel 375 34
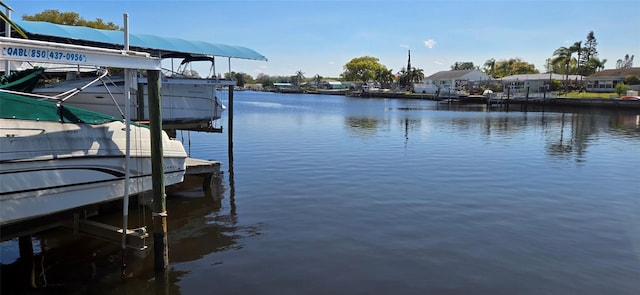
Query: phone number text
pixel 43 54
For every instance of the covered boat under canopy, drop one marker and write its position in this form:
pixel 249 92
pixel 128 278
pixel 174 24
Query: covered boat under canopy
pixel 23 81
pixel 189 101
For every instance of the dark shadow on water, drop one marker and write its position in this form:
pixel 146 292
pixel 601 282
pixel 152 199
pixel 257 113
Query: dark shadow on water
pixel 198 224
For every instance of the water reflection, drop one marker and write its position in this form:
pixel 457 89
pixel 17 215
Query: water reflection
pixel 628 124
pixel 568 133
pixel 232 184
pixel 561 147
pixel 198 224
pixel 364 126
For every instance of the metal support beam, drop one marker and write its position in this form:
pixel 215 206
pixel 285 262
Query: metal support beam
pixel 48 52
pixel 7 33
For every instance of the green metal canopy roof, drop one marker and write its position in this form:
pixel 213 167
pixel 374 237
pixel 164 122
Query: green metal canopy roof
pixel 155 45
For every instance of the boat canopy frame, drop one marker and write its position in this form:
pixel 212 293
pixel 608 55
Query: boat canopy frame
pixel 155 45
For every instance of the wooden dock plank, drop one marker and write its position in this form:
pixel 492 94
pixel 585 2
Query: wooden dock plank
pixel 200 166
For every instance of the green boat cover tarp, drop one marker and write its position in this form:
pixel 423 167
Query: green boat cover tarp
pixel 13 106
pixel 22 81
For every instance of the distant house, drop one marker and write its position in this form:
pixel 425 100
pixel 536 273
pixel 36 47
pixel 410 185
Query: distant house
pixel 458 79
pixel 606 81
pixel 536 82
pixel 255 87
pixel 283 87
pixel 332 84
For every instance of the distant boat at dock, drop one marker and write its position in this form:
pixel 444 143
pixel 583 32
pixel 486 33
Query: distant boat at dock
pixel 425 88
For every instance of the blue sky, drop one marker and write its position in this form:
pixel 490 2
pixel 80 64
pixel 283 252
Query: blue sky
pixel 320 37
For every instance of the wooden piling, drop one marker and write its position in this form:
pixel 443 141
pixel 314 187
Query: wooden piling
pixel 161 251
pixel 232 192
pixel 230 123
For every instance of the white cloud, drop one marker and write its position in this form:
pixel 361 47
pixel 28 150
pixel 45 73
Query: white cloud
pixel 430 43
pixel 405 46
pixel 437 62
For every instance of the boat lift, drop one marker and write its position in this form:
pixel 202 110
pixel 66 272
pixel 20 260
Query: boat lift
pixel 22 50
pixel 55 47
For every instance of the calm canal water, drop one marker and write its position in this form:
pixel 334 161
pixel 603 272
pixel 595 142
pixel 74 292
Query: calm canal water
pixel 339 195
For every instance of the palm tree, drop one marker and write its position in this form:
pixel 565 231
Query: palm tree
pixel 489 66
pixel 416 75
pixel 384 76
pixel 563 56
pixel 600 63
pixel 299 77
pixel 577 47
pixel 625 63
pixel 596 64
pixel 403 78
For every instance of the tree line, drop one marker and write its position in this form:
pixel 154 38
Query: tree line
pixel 585 62
pixel 580 58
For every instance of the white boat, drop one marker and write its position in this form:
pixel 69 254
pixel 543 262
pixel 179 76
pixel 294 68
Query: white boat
pixel 425 87
pixel 185 98
pixel 428 87
pixel 54 158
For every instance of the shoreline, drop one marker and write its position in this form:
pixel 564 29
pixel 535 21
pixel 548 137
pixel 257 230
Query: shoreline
pixel 479 99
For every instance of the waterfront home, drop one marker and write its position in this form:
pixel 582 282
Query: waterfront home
pixel 458 79
pixel 606 81
pixel 536 82
pixel 426 87
pixel 283 85
pixel 333 84
pixel 254 86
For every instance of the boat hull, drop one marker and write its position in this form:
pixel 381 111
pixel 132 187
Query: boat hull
pixel 48 167
pixel 182 100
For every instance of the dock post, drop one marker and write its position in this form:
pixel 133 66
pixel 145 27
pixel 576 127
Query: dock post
pixel 230 155
pixel 161 251
pixel 230 123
